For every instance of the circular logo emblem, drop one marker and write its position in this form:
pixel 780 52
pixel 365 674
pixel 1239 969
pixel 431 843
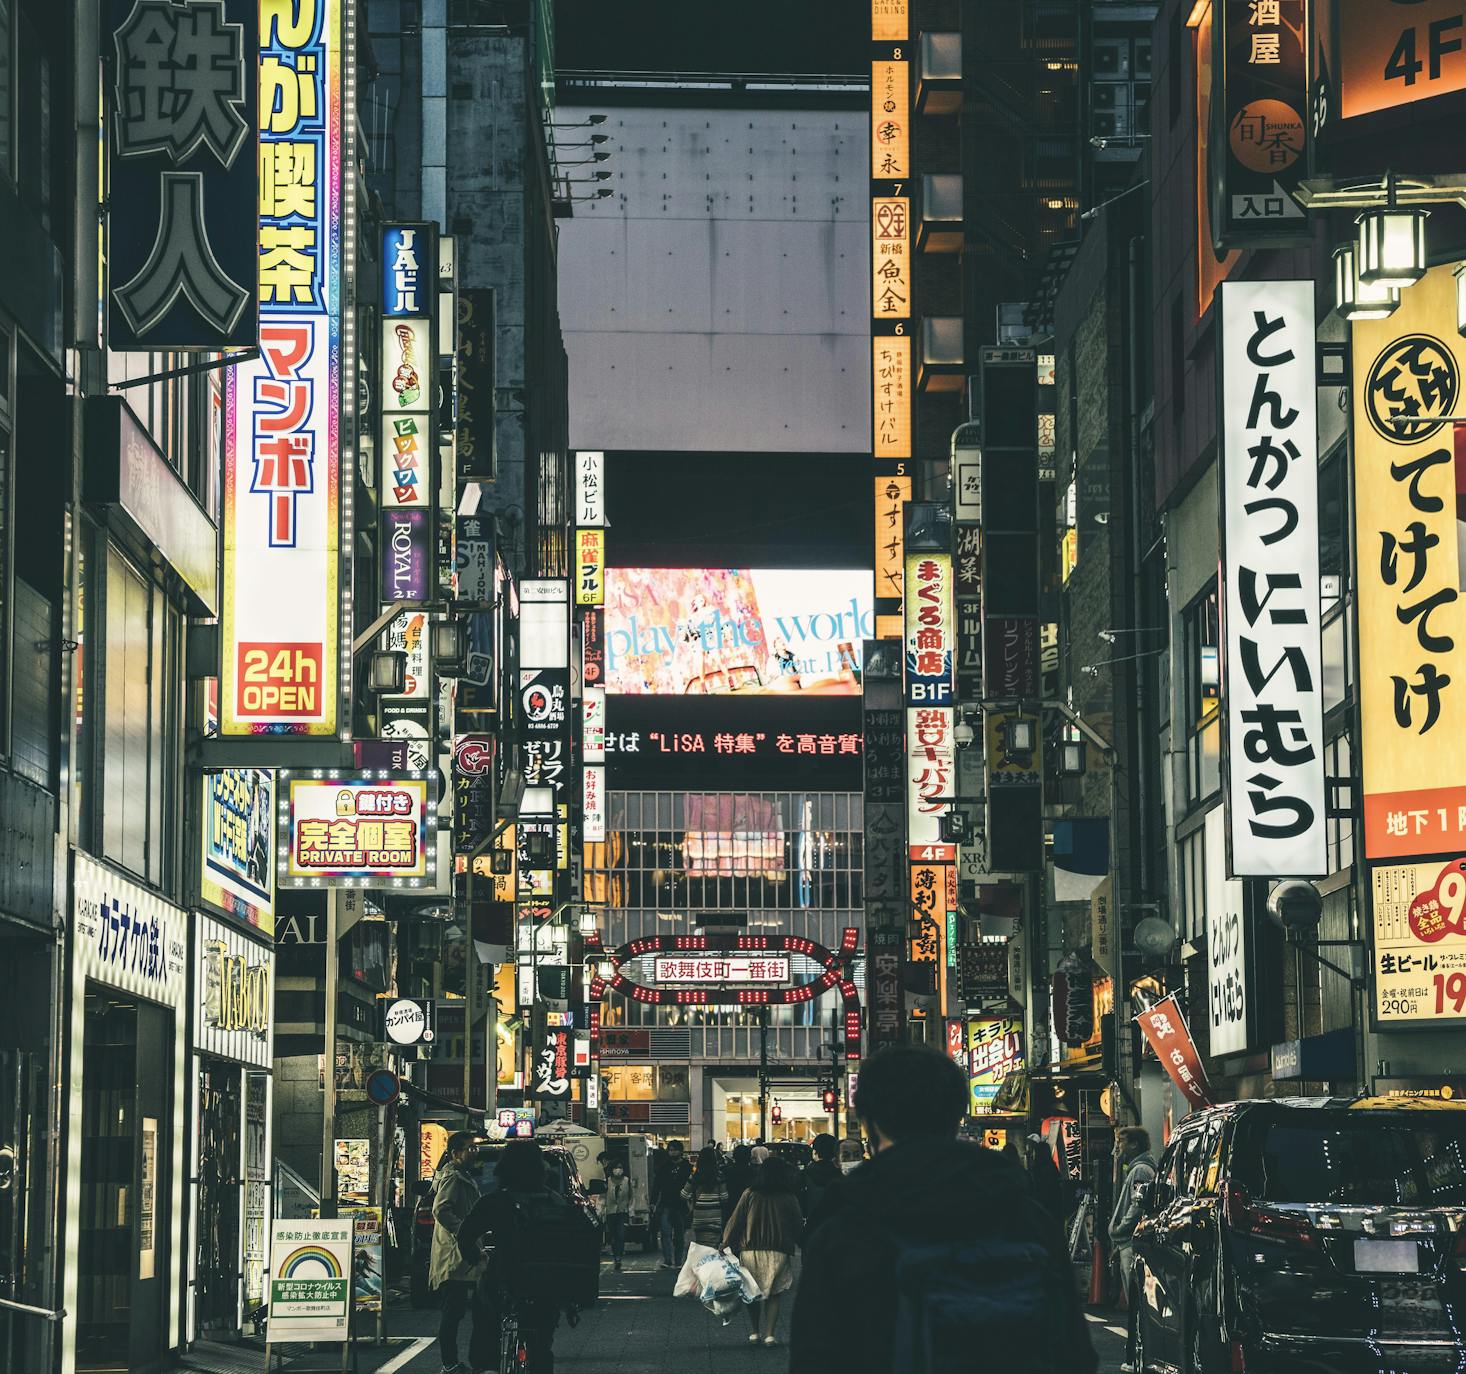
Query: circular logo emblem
pixel 1412 385
pixel 407 1023
pixel 1266 136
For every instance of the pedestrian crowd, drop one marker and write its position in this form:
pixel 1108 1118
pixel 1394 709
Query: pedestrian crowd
pixel 900 1261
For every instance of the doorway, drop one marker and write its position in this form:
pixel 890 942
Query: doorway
pixel 216 1246
pixel 125 1215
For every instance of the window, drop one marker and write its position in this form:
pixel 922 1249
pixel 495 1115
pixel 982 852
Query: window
pixel 1201 684
pixel 132 715
pixel 7 88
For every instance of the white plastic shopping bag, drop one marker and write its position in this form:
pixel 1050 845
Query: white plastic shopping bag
pixel 687 1285
pixel 751 1291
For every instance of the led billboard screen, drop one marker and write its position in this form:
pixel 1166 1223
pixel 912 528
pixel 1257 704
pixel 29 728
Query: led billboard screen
pixel 736 631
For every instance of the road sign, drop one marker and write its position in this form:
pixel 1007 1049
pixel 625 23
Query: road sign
pixel 383 1087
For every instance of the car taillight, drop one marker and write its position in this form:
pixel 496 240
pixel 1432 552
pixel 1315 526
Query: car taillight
pixel 1251 1219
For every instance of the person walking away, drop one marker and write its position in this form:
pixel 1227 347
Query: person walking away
pixel 1044 1178
pixel 617 1209
pixel 1135 1170
pixel 451 1274
pixel 669 1211
pixel 545 1260
pixel 821 1173
pixel 763 1232
pixel 739 1174
pixel 935 1248
pixel 707 1199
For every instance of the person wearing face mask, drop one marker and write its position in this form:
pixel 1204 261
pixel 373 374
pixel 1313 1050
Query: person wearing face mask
pixel 852 1155
pixel 617 1209
pixel 820 1174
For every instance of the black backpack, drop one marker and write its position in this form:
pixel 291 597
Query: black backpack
pixel 997 1302
pixel 553 1254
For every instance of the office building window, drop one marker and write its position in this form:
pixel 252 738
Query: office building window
pixel 1201 685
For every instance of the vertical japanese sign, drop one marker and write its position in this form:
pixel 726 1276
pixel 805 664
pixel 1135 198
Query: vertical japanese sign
pixel 930 629
pixel 407 397
pixel 1166 1032
pixel 590 567
pixel 183 175
pixel 931 773
pixel 590 489
pixel 281 617
pixel 891 495
pixel 1258 148
pixel 890 221
pixel 473 438
pixel 1274 651
pixel 1412 624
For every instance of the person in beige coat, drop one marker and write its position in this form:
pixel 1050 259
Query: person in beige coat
pixel 450 1275
pixel 764 1233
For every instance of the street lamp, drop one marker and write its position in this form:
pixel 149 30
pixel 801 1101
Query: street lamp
pixel 387 672
pixel 1391 242
pixel 1359 300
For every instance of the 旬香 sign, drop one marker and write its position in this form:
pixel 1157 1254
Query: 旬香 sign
pixel 279 665
pixel 350 830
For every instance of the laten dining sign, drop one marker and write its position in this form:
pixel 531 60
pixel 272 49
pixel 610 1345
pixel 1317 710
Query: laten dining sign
pixel 1274 655
pixel 280 621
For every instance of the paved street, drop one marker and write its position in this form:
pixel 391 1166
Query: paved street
pixel 637 1329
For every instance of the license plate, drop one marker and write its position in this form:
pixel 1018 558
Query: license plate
pixel 1386 1257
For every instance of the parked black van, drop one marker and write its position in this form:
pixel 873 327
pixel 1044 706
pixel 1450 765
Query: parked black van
pixel 1304 1236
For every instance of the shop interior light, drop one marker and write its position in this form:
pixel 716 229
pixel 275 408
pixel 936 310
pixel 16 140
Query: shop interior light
pixel 1391 246
pixel 1357 300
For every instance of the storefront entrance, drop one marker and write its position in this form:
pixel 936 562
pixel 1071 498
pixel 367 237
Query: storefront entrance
pixel 124 1214
pixel 217 1224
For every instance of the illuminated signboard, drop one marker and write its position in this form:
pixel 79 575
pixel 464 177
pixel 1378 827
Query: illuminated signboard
pixel 724 969
pixel 590 490
pixel 1419 941
pixel 239 845
pixel 352 830
pixel 891 494
pixel 724 631
pixel 890 249
pixel 929 629
pixel 1412 619
pixel 183 171
pixel 931 773
pixel 890 130
pixel 1276 821
pixel 889 20
pixel 590 567
pixel 1392 54
pixel 994 1050
pixel 891 381
pixel 280 621
pixel 1261 102
pixel 593 803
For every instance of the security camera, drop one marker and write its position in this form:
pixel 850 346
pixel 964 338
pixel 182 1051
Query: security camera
pixel 964 734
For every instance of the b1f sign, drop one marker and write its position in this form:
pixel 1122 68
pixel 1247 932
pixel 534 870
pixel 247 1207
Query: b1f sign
pixel 930 631
pixel 1274 654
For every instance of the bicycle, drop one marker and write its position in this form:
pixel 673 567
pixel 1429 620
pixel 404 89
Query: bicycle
pixel 513 1352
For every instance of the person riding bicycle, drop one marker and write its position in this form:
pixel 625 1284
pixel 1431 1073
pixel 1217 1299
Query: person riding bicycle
pixel 542 1249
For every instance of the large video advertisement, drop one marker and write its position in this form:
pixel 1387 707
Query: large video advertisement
pixel 765 668
pixel 719 631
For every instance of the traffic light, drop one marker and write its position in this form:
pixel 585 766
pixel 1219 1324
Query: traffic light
pixel 830 1101
pixel 776 1113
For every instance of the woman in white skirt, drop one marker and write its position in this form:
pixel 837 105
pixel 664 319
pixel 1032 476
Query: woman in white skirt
pixel 764 1232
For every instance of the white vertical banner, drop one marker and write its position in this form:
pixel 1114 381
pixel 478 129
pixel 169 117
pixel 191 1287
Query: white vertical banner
pixel 590 490
pixel 1226 947
pixel 1273 666
pixel 593 803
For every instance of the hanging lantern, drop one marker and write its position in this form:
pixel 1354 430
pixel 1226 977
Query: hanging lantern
pixel 1391 246
pixel 1355 299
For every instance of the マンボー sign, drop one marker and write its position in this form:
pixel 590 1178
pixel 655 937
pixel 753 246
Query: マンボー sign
pixel 280 621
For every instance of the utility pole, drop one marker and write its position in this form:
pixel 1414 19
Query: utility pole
pixel 328 1105
pixel 763 1073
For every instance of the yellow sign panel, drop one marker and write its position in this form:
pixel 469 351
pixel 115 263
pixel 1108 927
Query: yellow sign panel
pixel 1392 54
pixel 590 567
pixel 890 252
pixel 891 382
pixel 889 21
pixel 890 115
pixel 1419 941
pixel 891 494
pixel 890 627
pixel 1412 619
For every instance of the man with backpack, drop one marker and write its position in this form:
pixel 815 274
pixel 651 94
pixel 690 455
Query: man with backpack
pixel 546 1256
pixel 933 1256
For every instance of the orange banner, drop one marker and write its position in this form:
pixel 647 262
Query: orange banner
pixel 1165 1030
